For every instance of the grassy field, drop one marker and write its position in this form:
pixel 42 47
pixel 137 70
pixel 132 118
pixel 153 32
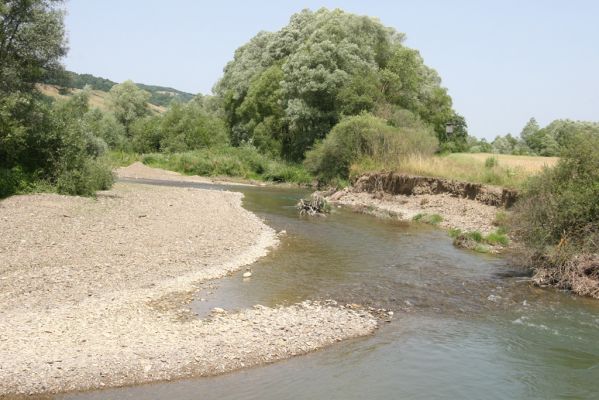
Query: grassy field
pixel 492 169
pixel 528 164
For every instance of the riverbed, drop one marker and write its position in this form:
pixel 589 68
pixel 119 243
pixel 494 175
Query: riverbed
pixel 465 325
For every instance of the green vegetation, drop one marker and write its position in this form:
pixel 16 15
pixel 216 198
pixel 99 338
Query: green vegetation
pixel 549 141
pixel 478 242
pixel 286 90
pixel 244 162
pixel 366 139
pixel 558 216
pixel 431 219
pixel 159 95
pixel 43 146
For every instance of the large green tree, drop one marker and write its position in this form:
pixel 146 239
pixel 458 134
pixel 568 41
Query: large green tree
pixel 31 45
pixel 42 142
pixel 285 90
pixel 32 42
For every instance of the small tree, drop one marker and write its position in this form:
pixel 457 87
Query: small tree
pixel 128 102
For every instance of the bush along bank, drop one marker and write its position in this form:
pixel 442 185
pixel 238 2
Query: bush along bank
pixel 557 220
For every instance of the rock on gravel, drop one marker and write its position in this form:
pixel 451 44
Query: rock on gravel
pixel 91 291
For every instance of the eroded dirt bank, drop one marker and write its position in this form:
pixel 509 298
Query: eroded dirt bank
pixel 459 213
pixel 407 185
pixel 92 292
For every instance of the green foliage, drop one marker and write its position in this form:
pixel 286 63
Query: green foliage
pixel 181 128
pixel 104 126
pixel 32 42
pixel 454 232
pixel 548 141
pixel 160 95
pixel 188 127
pixel 146 134
pixel 243 162
pixel 285 91
pixel 559 212
pixel 120 158
pixel 475 235
pixel 491 162
pixel 128 102
pixel 366 137
pixel 476 241
pixel 497 238
pixel 431 219
pixel 51 144
pixel 86 179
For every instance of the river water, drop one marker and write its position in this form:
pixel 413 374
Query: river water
pixel 466 325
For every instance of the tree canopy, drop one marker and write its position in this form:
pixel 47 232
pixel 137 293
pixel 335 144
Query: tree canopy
pixel 287 89
pixel 32 42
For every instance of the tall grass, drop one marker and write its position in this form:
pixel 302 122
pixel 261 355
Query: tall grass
pixel 242 162
pixel 462 166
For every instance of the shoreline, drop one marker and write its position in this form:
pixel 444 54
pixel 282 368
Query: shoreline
pixel 457 213
pixel 85 304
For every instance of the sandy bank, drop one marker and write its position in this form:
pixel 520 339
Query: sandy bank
pixel 137 170
pixel 87 289
pixel 459 213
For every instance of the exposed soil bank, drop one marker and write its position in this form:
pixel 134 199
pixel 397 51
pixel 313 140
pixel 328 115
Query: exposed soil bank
pixel 400 184
pixel 93 291
pixel 467 215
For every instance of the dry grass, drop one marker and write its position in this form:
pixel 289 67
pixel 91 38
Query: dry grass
pixel 530 164
pixel 508 171
pixel 97 98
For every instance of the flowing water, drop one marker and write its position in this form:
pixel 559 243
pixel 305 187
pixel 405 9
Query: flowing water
pixel 466 325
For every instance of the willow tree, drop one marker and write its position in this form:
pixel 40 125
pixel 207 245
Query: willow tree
pixel 285 90
pixel 32 44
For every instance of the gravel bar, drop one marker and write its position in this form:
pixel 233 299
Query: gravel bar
pixel 94 292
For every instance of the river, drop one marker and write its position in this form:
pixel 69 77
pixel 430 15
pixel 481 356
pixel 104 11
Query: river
pixel 465 325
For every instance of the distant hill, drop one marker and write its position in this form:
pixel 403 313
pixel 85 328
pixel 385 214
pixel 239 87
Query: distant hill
pixel 98 98
pixel 161 96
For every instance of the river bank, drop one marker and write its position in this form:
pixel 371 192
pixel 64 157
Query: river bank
pixel 94 292
pixel 472 212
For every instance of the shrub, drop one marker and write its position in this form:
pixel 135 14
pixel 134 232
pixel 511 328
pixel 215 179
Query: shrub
pixel 365 137
pixel 491 162
pixel 497 238
pixel 432 219
pixel 558 214
pixel 86 180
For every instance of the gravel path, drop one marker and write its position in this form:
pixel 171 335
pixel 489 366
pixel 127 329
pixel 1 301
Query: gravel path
pixel 93 291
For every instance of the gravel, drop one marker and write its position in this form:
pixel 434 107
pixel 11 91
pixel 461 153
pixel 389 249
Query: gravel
pixel 94 292
pixel 460 213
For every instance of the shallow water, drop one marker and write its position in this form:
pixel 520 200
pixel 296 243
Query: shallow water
pixel 466 325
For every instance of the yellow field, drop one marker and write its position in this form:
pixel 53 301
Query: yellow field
pixel 532 164
pixel 508 171
pixel 97 98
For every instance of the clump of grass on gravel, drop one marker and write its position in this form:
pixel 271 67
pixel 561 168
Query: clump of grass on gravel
pixel 478 242
pixel 431 219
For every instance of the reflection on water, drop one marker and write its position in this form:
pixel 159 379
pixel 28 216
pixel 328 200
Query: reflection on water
pixel 465 329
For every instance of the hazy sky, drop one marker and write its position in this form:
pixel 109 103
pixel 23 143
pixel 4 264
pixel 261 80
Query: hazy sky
pixel 503 61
